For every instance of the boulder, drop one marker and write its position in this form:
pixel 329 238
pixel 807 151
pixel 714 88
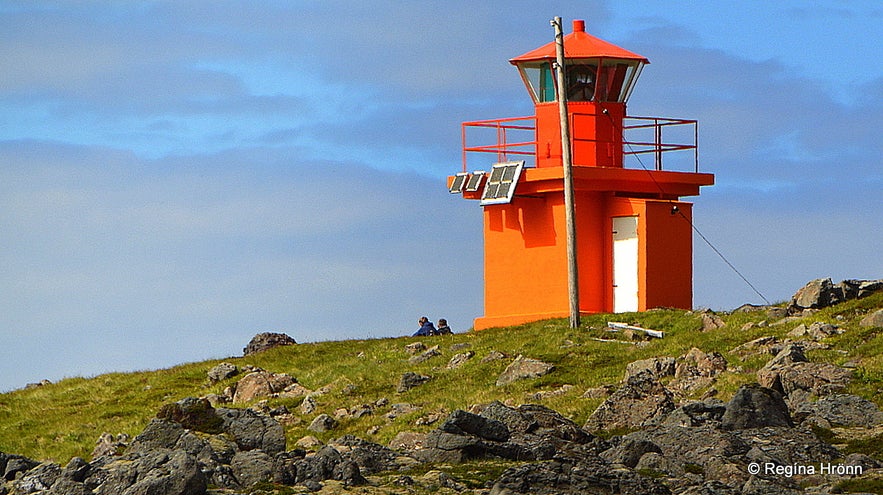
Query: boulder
pixel 460 359
pixel 222 372
pixel 252 430
pixel 322 423
pixel 814 378
pixel 709 411
pixel 551 424
pixel 523 368
pixel 821 293
pixel 463 423
pixel 574 476
pixel 266 341
pixel 840 410
pixel 415 347
pixel 816 331
pixel 698 363
pixel 410 380
pixel 710 321
pixel 639 402
pixel 252 467
pixel 874 319
pixel 754 406
pixel 160 471
pixel 816 294
pixel 658 366
pixel 110 445
pixel 260 384
pixel 425 355
pixel 629 452
pixel 158 434
pixel 514 420
pixel 193 414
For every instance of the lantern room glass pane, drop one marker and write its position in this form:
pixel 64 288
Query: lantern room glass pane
pixel 540 81
pixel 615 80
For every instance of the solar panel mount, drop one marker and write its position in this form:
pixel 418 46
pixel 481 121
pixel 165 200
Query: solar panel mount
pixel 500 186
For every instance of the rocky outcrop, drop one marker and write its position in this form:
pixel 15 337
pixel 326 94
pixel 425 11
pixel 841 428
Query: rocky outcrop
pixel 790 372
pixel 755 406
pixel 266 341
pixel 639 402
pixel 823 292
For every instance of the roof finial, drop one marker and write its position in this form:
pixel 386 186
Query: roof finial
pixel 579 26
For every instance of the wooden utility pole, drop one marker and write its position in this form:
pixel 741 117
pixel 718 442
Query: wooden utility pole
pixel 567 161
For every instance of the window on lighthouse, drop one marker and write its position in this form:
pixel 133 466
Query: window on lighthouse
pixel 539 78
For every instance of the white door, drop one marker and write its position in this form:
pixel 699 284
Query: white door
pixel 625 264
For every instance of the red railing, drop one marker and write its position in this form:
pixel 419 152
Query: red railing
pixel 523 127
pixel 641 135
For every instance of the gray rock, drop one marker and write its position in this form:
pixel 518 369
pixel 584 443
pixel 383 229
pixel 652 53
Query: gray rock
pixel 565 476
pixel 252 467
pixel 493 356
pixel 709 411
pixel 410 380
pixel 193 414
pixel 460 359
pixel 524 368
pixel 222 372
pixel 815 378
pixel 841 410
pixel 874 319
pixel 322 423
pixel 38 479
pixel 159 434
pixel 425 355
pixel 13 464
pixel 110 445
pixel 641 401
pixel 754 406
pixel 658 366
pixel 514 420
pixel 371 458
pixel 463 423
pixel 251 430
pixel 698 363
pixel 266 341
pixel 67 486
pixel 157 472
pixel 819 293
pixel 551 424
pixel 630 451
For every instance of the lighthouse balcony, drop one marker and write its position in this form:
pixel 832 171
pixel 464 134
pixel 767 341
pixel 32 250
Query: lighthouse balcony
pixel 645 142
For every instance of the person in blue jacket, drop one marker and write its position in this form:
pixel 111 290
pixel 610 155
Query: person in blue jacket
pixel 426 328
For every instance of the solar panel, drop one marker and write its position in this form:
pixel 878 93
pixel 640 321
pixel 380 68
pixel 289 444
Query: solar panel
pixel 500 186
pixel 475 181
pixel 459 183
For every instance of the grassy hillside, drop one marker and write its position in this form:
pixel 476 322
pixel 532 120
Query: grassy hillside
pixel 61 420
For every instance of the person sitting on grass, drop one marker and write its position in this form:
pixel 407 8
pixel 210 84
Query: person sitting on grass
pixel 443 328
pixel 426 328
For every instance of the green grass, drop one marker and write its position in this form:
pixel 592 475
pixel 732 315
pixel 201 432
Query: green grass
pixel 64 419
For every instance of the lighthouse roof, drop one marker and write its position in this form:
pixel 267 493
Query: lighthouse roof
pixel 580 44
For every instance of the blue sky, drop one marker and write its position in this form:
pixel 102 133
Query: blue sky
pixel 178 176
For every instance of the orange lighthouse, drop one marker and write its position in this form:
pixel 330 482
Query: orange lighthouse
pixel 633 232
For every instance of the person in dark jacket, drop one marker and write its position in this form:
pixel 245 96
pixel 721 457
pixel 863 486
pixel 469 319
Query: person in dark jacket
pixel 426 328
pixel 443 328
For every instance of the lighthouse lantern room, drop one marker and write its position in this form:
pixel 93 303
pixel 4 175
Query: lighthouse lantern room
pixel 634 234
